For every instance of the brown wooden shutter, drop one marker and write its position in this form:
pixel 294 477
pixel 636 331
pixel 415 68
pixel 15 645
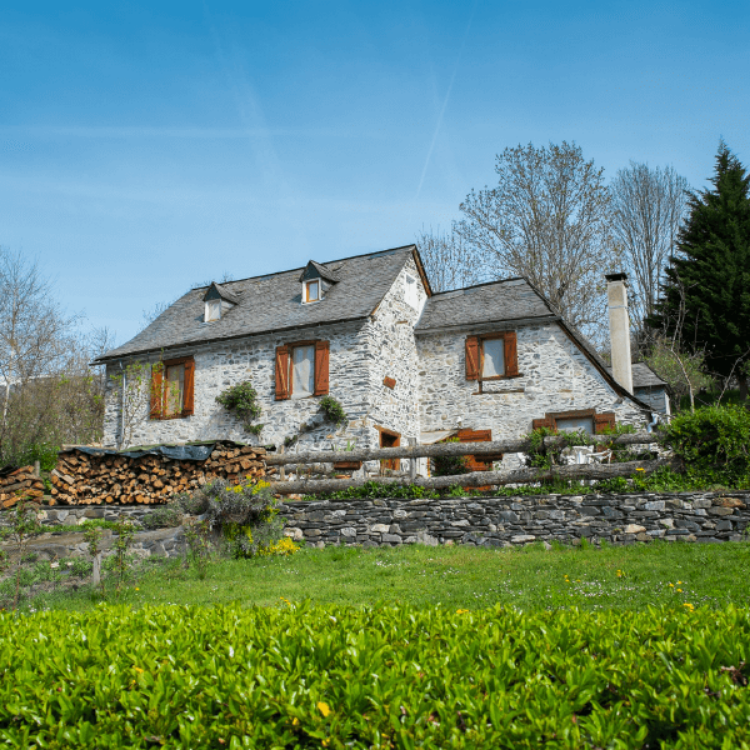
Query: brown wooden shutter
pixel 546 422
pixel 604 421
pixel 157 392
pixel 472 357
pixel 188 400
pixel 511 355
pixel 282 373
pixel 322 349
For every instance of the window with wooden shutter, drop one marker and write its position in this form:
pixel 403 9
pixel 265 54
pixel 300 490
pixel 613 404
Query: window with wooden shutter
pixel 472 357
pixel 322 349
pixel 282 373
pixel 491 356
pixel 172 389
pixel 537 424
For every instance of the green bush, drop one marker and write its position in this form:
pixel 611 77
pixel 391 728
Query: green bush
pixel 166 517
pixel 714 443
pixel 447 466
pixel 383 676
pixel 333 410
pixel 242 399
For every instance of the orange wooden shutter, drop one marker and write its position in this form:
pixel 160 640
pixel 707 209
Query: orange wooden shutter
pixel 511 355
pixel 604 421
pixel 189 386
pixel 537 423
pixel 322 349
pixel 282 373
pixel 155 408
pixel 472 357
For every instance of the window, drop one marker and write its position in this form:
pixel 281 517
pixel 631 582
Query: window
pixel 172 388
pixel 411 291
pixel 302 369
pixel 213 310
pixel 390 439
pixel 573 421
pixel 312 290
pixel 491 356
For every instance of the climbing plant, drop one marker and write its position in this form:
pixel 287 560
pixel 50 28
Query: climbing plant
pixel 242 400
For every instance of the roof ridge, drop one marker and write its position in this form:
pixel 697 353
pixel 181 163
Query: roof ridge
pixel 302 268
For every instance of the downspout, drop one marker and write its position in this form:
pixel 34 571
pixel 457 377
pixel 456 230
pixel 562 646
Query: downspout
pixel 121 441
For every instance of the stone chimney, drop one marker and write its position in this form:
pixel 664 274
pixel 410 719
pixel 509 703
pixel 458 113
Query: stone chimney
pixel 619 329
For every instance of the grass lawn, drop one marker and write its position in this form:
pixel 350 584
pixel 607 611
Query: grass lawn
pixel 623 578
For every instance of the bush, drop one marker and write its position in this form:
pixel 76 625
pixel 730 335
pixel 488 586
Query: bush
pixel 714 443
pixel 242 399
pixel 244 514
pixel 383 676
pixel 447 466
pixel 166 517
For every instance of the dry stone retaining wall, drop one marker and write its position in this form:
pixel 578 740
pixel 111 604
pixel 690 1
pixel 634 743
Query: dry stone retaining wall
pixel 508 521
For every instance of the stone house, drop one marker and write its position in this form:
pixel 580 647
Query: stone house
pixel 407 364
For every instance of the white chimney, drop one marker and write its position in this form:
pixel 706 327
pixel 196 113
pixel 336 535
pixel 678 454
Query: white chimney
pixel 619 329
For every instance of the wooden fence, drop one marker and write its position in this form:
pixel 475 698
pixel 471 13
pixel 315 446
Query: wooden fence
pixel 472 479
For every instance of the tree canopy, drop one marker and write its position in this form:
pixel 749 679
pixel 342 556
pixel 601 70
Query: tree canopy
pixel 706 299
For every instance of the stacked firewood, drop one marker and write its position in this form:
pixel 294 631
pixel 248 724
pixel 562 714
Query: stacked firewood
pixel 20 484
pixel 84 479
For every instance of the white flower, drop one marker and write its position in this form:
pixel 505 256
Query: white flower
pixel 54 565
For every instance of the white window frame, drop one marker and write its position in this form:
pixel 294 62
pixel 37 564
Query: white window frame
pixel 306 291
pixel 215 303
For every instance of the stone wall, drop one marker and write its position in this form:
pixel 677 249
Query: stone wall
pixel 224 364
pixel 508 521
pixel 555 376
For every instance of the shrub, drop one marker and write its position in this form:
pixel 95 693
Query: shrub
pixel 382 676
pixel 333 410
pixel 166 517
pixel 242 399
pixel 713 442
pixel 447 466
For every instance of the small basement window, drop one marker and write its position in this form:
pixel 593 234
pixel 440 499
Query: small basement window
pixel 576 424
pixel 312 290
pixel 588 420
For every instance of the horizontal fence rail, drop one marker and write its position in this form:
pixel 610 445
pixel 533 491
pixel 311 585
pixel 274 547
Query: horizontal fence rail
pixel 476 478
pixel 445 449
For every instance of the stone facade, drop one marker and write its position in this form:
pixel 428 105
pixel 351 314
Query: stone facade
pixel 430 392
pixel 555 376
pixel 362 355
pixel 510 521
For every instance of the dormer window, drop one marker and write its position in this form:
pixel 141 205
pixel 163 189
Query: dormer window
pixel 312 290
pixel 316 281
pixel 218 301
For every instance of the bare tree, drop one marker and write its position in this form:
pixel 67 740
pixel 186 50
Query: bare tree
pixel 450 263
pixel 35 336
pixel 648 207
pixel 548 219
pixel 674 357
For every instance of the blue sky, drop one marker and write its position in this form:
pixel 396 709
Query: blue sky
pixel 146 147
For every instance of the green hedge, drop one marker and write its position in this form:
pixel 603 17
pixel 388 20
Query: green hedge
pixel 390 676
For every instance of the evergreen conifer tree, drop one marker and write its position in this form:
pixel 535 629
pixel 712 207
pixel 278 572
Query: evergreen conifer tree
pixel 706 300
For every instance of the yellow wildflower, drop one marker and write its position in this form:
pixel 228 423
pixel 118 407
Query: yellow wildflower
pixel 324 708
pixel 640 468
pixel 138 669
pixel 461 611
pixel 689 606
pixel 679 591
pixel 671 585
pixel 295 722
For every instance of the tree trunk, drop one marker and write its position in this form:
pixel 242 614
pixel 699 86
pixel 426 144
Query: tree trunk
pixel 742 379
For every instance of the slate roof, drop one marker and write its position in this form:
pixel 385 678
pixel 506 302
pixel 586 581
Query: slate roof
pixel 223 293
pixel 645 377
pixel 273 303
pixel 507 300
pixel 323 272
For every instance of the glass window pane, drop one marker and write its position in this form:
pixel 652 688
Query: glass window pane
pixel 303 373
pixel 313 291
pixel 175 389
pixel 214 309
pixel 494 358
pixel 576 424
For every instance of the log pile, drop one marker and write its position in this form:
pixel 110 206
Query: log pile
pixel 84 479
pixel 20 484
